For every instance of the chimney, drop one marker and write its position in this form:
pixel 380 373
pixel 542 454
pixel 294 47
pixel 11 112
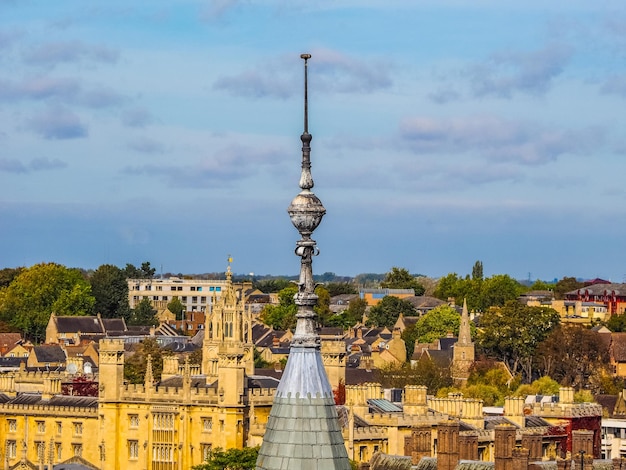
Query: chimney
pixel 504 445
pixel 448 445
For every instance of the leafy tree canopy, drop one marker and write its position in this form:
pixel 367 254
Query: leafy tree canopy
pixel 268 286
pixel 7 275
pixel 438 323
pixel 144 272
pixel 135 366
pixel 230 459
pixel 143 314
pixel 110 289
pixel 387 311
pixel 400 278
pixel 337 288
pixel 564 285
pixel 176 307
pixel 283 315
pixel 513 332
pixel 29 300
pixel 542 386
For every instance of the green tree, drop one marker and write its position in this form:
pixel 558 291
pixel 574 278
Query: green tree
pixel 571 354
pixel 144 272
pixel 110 289
pixel 135 366
pixel 512 333
pixel 338 288
pixel 283 315
pixel 410 335
pixel 27 303
pixel 477 271
pixel 387 311
pixel 176 307
pixel 542 386
pixel 425 372
pixel 541 285
pixel 323 305
pixel 143 314
pixel 564 285
pixel 351 316
pixel 7 275
pixel 230 459
pixel 497 290
pixel 268 286
pixel 400 278
pixel 437 323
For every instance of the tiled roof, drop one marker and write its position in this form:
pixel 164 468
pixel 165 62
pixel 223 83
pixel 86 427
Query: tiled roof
pixel 382 461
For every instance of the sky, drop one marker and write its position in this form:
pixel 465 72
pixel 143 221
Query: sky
pixel 444 132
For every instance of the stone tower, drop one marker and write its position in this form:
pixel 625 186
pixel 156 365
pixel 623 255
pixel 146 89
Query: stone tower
pixel 463 352
pixel 303 429
pixel 228 335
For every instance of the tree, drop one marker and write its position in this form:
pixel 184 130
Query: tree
pixel 230 459
pixel 512 333
pixel 388 310
pixel 570 354
pixel 477 271
pixel 400 278
pixel 135 366
pixel 542 386
pixel 144 314
pixel 497 290
pixel 80 386
pixel 7 275
pixel 564 285
pixel 27 303
pixel 351 316
pixel 323 305
pixel 110 289
pixel 176 307
pixel 272 285
pixel 338 288
pixel 283 315
pixel 144 272
pixel 437 323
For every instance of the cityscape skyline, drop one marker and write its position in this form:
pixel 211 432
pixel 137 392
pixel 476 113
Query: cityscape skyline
pixel 443 133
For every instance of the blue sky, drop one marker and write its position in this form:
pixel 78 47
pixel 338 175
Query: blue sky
pixel 444 132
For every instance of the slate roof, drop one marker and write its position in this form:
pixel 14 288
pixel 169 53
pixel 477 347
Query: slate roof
pixel 380 461
pixel 361 376
pixel 49 353
pixel 82 324
pixel 57 400
pixel 114 324
pixel 608 402
pixel 424 302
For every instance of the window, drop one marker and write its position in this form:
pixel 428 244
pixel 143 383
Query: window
pixel 59 427
pixel 40 448
pixel 155 297
pixel 183 299
pixel 194 300
pixel 77 449
pixel 57 450
pixel 206 451
pixel 199 288
pixel 78 429
pixel 221 425
pixel 203 299
pixel 207 424
pixel 133 421
pixel 41 426
pixel 193 288
pixel 180 287
pixel 12 425
pixel 173 288
pixel 133 450
pixel 159 287
pixel 148 287
pixel 11 449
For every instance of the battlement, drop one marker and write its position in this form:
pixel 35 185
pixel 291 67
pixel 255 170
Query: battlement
pixel 44 409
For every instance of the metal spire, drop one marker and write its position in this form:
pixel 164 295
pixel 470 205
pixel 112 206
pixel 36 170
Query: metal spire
pixel 303 429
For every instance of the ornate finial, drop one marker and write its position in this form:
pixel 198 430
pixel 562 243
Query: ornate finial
pixel 229 273
pixel 306 180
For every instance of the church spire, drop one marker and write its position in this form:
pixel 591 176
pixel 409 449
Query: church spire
pixel 303 429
